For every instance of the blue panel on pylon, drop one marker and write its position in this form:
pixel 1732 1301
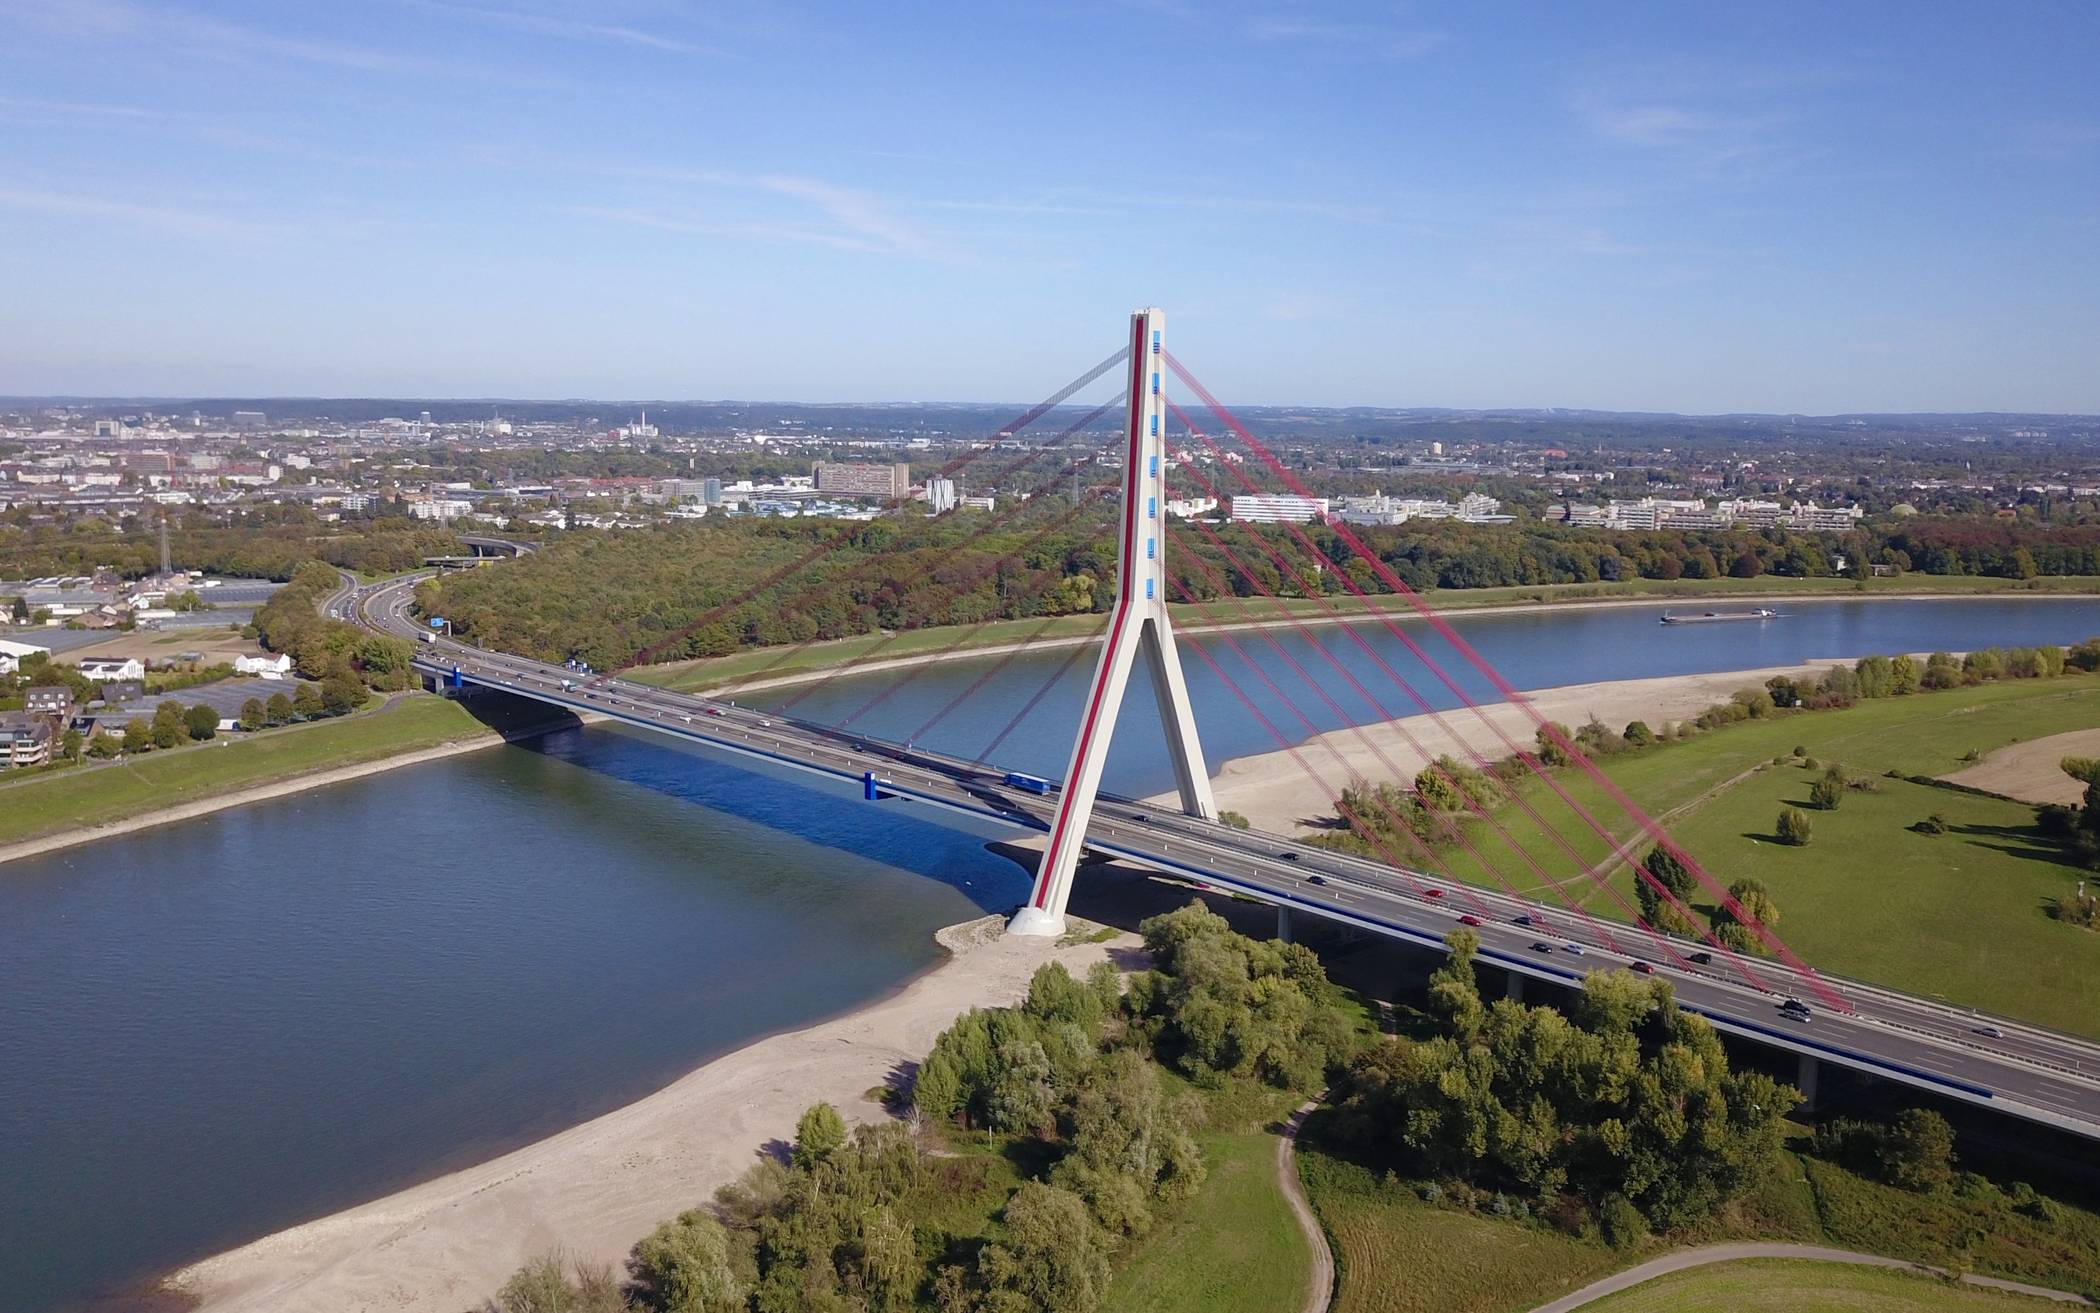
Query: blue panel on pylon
pixel 1155 382
pixel 1155 466
pixel 1155 342
pixel 1155 426
pixel 1151 548
pixel 1148 590
pixel 1151 508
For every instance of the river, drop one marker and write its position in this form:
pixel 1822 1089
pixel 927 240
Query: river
pixel 217 1028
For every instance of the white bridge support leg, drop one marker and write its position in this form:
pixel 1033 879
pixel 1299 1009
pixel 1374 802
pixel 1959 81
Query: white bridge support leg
pixel 1139 624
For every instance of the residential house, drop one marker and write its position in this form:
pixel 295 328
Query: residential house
pixel 123 690
pixel 267 667
pixel 52 700
pixel 25 740
pixel 103 669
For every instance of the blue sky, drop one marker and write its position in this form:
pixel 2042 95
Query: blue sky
pixel 1775 207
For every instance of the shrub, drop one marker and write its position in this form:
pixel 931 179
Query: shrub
pixel 1794 827
pixel 1800 751
pixel 1827 792
pixel 1622 1222
pixel 1933 824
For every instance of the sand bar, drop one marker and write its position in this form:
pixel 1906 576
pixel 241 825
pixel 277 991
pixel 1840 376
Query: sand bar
pixel 2031 771
pixel 1276 794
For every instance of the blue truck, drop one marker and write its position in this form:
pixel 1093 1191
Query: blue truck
pixel 1032 783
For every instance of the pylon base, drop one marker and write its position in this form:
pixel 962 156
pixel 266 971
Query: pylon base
pixel 1036 922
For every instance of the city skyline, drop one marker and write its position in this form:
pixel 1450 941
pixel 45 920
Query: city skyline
pixel 1776 210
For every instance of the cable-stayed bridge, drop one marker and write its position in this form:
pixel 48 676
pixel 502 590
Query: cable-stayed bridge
pixel 1162 450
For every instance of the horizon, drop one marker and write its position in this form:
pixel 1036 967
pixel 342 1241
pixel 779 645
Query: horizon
pixel 1754 210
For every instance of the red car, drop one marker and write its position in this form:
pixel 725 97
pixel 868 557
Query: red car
pixel 1432 893
pixel 1469 919
pixel 1644 969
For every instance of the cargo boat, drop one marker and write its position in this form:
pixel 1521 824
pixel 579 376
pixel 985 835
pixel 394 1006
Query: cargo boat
pixel 1705 617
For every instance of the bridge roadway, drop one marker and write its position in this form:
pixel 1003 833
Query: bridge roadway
pixel 2022 1071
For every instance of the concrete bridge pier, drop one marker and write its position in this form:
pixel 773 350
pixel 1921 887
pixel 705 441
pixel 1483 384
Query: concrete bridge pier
pixel 1513 986
pixel 1805 1081
pixel 1283 923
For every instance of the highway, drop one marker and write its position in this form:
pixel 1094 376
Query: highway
pixel 2018 1069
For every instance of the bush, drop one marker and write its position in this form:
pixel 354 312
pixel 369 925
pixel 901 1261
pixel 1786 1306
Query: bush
pixel 1622 1222
pixel 1794 827
pixel 1827 792
pixel 1933 824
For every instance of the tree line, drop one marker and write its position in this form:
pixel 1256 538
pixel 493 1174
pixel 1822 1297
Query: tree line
pixel 344 658
pixel 266 542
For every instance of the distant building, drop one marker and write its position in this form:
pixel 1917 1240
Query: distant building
pixel 123 690
pixel 979 503
pixel 50 700
pixel 25 740
pixel 941 495
pixel 441 508
pixel 1278 509
pixel 711 491
pixel 855 480
pixel 267 667
pixel 103 669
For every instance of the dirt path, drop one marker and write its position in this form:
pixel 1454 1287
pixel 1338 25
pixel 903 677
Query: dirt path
pixel 1319 1290
pixel 1709 1254
pixel 2029 771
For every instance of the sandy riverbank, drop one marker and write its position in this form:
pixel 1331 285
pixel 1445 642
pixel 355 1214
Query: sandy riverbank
pixel 1274 793
pixel 596 1189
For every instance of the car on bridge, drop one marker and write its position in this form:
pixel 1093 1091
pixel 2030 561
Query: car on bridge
pixel 1469 919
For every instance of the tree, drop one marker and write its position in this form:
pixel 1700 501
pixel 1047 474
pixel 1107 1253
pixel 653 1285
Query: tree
pixel 137 737
pixel 253 717
pixel 1828 791
pixel 307 702
pixel 69 744
pixel 1793 827
pixel 936 1091
pixel 104 745
pixel 278 710
pixel 20 611
pixel 541 1286
pixel 684 1266
pixel 1638 734
pixel 1052 1258
pixel 818 1135
pixel 201 721
pixel 1918 1153
pixel 168 728
pixel 341 691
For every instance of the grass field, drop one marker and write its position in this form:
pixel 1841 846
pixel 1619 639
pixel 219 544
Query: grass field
pixel 1958 915
pixel 772 663
pixel 1399 1254
pixel 97 795
pixel 1233 1247
pixel 1791 1286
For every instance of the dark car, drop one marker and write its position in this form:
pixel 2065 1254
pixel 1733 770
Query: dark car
pixel 1703 958
pixel 1795 1010
pixel 1642 968
pixel 1316 879
pixel 1289 857
pixel 1139 817
pixel 1521 918
pixel 1541 946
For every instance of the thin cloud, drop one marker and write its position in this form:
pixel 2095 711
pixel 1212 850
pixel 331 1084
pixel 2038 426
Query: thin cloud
pixel 575 29
pixel 1357 40
pixel 756 231
pixel 168 218
pixel 212 38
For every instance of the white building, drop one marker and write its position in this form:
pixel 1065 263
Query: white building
pixel 941 495
pixel 12 654
pixel 1188 508
pixel 441 508
pixel 978 503
pixel 1278 509
pixel 268 667
pixel 104 669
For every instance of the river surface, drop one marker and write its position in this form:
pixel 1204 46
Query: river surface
pixel 218 1028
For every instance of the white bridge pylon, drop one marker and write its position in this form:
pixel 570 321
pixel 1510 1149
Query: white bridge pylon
pixel 1140 624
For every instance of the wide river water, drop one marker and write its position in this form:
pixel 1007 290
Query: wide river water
pixel 218 1028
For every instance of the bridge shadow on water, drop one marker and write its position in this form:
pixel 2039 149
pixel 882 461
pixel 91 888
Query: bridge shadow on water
pixel 936 846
